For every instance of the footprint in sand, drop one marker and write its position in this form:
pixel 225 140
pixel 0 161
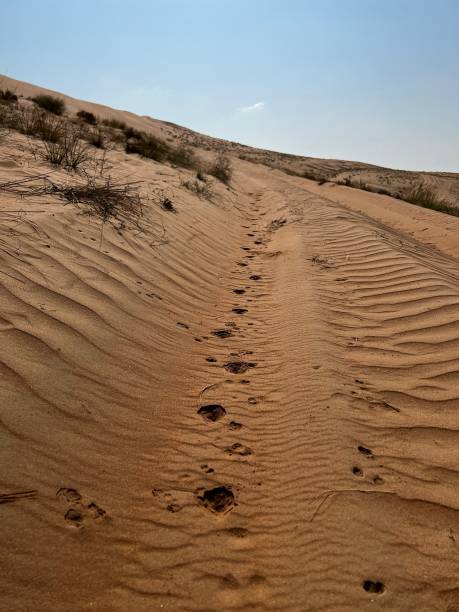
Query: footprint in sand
pixel 219 500
pixel 79 512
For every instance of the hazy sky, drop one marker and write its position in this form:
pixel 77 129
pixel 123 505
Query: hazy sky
pixel 368 80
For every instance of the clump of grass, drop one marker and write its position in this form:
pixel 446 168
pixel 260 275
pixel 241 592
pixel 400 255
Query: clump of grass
pixel 87 117
pixel 203 189
pixel 37 123
pixel 427 198
pixel 52 104
pixel 222 169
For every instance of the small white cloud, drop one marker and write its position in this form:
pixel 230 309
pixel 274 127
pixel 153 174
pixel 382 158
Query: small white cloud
pixel 258 106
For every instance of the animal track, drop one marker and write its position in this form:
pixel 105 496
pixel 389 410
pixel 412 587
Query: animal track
pixel 371 586
pixel 222 333
pixel 238 367
pixel 238 449
pixel 79 511
pixel 365 451
pixel 219 499
pixel 234 425
pixel 212 412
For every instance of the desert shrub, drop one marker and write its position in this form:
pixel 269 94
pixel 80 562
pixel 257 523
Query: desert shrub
pixel 52 104
pixel 183 156
pixel 69 151
pixel 202 189
pixel 427 198
pixel 6 95
pixel 87 117
pixel 148 146
pixel 37 123
pixel 96 138
pixel 114 123
pixel 221 169
pixel 131 132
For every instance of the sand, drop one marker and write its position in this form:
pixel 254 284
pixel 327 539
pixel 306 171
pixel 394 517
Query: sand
pixel 305 459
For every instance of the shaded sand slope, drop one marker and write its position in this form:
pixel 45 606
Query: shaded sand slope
pixel 251 405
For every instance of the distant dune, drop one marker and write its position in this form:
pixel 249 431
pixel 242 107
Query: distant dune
pixel 229 377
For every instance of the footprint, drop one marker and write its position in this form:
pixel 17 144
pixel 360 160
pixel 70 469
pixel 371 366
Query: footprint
pixel 222 333
pixel 371 586
pixel 211 359
pixel 239 291
pixel 184 325
pixel 219 499
pixel 79 512
pixel 240 310
pixel 255 277
pixel 238 449
pixel 212 412
pixel 238 367
pixel 357 471
pixel 365 451
pixel 252 400
pixel 234 425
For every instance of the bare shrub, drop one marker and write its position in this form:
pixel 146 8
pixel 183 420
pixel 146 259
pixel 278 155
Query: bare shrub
pixel 202 189
pixel 69 151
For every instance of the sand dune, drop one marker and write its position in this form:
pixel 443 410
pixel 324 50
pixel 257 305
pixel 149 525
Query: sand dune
pixel 252 404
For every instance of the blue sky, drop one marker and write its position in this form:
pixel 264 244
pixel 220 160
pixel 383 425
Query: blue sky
pixel 369 80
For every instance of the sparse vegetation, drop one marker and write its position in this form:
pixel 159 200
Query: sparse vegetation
pixel 182 156
pixel 52 104
pixel 68 151
pixel 114 123
pixel 426 197
pixel 222 169
pixel 147 146
pixel 202 189
pixel 87 117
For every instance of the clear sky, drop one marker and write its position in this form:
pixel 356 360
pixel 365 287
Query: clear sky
pixel 368 80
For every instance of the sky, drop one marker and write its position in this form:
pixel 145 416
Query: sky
pixel 368 80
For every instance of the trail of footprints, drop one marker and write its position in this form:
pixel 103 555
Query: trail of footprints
pixel 221 499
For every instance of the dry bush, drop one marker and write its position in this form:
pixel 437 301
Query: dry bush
pixel 202 189
pixel 69 150
pixel 148 146
pixel 221 169
pixel 183 156
pixel 87 117
pixel 52 104
pixel 6 95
